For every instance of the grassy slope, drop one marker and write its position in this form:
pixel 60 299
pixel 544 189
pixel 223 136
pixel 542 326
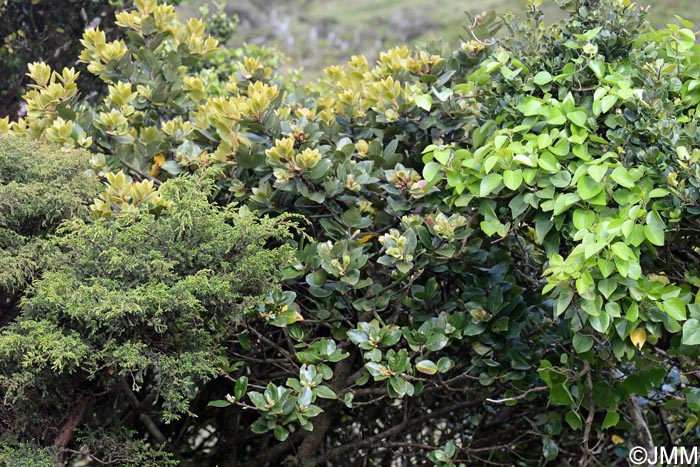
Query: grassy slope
pixel 318 33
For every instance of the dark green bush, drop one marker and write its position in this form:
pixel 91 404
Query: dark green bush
pixel 40 186
pixel 138 304
pixel 499 263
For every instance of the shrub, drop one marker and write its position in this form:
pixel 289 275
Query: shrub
pixel 490 259
pixel 138 302
pixel 40 186
pixel 44 30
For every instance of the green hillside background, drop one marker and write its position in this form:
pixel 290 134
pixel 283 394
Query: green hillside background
pixel 318 33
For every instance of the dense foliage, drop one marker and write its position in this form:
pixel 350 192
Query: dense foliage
pixel 497 261
pixel 142 302
pixel 45 30
pixel 39 188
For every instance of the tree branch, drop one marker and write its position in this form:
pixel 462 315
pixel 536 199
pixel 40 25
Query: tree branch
pixel 639 422
pixel 393 431
pixel 70 423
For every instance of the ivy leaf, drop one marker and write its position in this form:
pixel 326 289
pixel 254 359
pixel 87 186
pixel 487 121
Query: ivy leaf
pixel 654 230
pixel 638 338
pixel 582 343
pixel 574 420
pixel 588 188
pixel 430 171
pixel 512 179
pixel 597 172
pixel 564 202
pixel 489 183
pixel 691 332
pixel 597 67
pixel 622 251
pixel 578 117
pixel 611 419
pixel 622 177
pixel 424 101
pixel 607 287
pixel 607 102
pixel 550 450
pixel 675 308
pixel 542 78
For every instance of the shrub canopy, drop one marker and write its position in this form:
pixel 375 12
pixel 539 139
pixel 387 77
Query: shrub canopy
pixel 497 262
pixel 40 187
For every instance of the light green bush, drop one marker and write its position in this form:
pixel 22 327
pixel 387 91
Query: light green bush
pixel 498 262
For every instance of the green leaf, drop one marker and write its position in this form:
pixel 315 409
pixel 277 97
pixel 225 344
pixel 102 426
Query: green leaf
pixel 512 179
pixel 588 188
pixel 218 403
pixel 658 193
pixel 489 183
pixel 258 400
pixel 530 106
pixel 259 427
pixel 578 117
pixel 431 171
pixel 563 301
pixel 352 218
pixel 623 177
pixel 606 266
pixel 172 167
pixel 564 202
pixel 550 450
pixel 281 433
pixel 574 420
pixel 691 332
pixel 357 337
pixel 240 387
pixel 607 287
pixel 654 230
pixel 427 366
pixel 559 394
pixel 622 251
pixel 582 343
pixel 348 398
pixel 597 172
pixel 324 392
pixel 424 101
pixel 632 312
pixel 607 102
pixel 436 342
pixel 442 156
pixel 692 397
pixel 444 365
pixel 597 67
pixel 542 78
pixel 675 308
pixel 611 419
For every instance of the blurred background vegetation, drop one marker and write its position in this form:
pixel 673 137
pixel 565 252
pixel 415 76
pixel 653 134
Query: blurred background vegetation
pixel 314 34
pixel 311 34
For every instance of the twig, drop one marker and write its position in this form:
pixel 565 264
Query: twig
pixel 521 396
pixel 640 425
pixel 591 413
pixel 140 172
